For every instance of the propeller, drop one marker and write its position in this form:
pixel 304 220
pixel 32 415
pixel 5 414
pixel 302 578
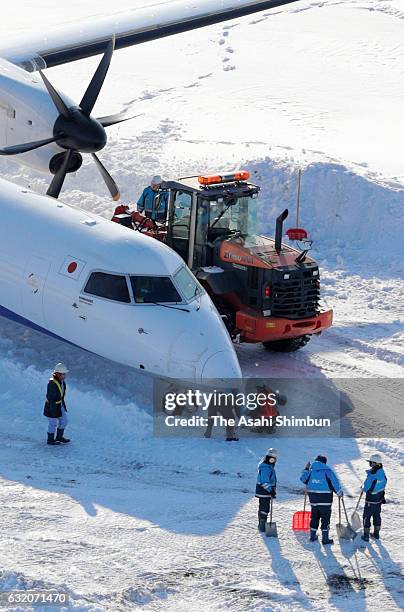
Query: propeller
pixel 76 131
pixel 29 146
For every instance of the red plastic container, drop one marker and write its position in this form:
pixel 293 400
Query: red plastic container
pixel 301 520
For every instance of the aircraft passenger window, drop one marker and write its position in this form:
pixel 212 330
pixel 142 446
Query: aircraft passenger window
pixel 108 286
pixel 149 289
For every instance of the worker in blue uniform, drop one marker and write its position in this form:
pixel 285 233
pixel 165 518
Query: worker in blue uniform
pixel 321 482
pixel 265 488
pixel 374 487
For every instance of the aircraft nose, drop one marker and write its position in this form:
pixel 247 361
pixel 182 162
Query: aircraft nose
pixel 223 364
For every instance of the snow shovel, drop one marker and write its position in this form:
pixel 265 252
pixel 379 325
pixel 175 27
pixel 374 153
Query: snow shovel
pixel 270 528
pixel 301 519
pixel 344 532
pixel 356 521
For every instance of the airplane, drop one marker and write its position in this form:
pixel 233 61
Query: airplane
pixel 79 277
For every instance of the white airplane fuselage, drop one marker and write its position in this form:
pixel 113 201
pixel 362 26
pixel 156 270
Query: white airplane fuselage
pixel 27 114
pixel 48 252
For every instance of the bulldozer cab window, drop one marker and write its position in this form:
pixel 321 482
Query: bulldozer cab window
pixel 181 219
pixel 202 222
pixel 182 212
pixel 231 216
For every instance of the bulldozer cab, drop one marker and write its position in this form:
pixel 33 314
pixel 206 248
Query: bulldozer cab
pixel 201 216
pixel 264 290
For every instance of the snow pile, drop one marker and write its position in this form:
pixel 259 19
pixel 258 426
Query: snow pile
pixel 351 219
pixel 317 95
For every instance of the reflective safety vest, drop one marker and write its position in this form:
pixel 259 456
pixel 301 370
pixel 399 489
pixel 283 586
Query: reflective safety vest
pixel 59 386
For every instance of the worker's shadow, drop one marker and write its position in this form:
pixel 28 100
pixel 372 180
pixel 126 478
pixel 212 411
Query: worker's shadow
pixel 283 570
pixel 390 571
pixel 340 584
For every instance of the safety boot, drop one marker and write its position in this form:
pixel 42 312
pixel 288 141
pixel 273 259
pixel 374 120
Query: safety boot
pixel 261 523
pixel 60 437
pixel 313 535
pixel 376 533
pixel 366 533
pixel 326 539
pixel 51 440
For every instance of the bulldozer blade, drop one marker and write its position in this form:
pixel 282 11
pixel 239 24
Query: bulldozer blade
pixel 271 530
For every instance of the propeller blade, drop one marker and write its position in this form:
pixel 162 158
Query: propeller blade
pixel 28 146
pixel 56 97
pixel 90 97
pixel 113 119
pixel 109 181
pixel 57 182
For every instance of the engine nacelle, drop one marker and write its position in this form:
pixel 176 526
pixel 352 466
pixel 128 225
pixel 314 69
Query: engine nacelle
pixel 57 160
pixel 27 114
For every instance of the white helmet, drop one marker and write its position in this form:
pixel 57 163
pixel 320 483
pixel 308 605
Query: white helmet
pixel 60 368
pixel 375 458
pixel 272 452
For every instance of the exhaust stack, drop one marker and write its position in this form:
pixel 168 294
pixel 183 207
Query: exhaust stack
pixel 278 231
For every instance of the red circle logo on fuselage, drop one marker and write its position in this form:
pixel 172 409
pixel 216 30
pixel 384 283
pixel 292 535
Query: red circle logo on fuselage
pixel 72 267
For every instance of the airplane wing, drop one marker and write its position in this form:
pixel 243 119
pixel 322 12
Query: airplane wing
pixel 79 40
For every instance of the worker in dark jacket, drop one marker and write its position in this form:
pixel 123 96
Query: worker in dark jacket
pixel 265 489
pixel 321 483
pixel 145 203
pixel 374 486
pixel 55 407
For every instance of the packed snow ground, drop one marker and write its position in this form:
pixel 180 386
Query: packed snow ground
pixel 120 519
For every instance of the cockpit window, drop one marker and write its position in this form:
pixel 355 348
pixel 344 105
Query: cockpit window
pixel 186 283
pixel 150 289
pixel 110 286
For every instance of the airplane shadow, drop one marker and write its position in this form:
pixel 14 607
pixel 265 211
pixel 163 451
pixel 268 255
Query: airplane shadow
pixel 189 487
pixel 114 461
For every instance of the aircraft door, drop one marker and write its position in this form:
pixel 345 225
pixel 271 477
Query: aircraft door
pixel 35 275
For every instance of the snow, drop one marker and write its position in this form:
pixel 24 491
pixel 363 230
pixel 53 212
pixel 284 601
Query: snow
pixel 138 521
pixel 121 519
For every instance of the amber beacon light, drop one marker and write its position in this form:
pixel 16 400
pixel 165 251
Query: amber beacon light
pixel 242 175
